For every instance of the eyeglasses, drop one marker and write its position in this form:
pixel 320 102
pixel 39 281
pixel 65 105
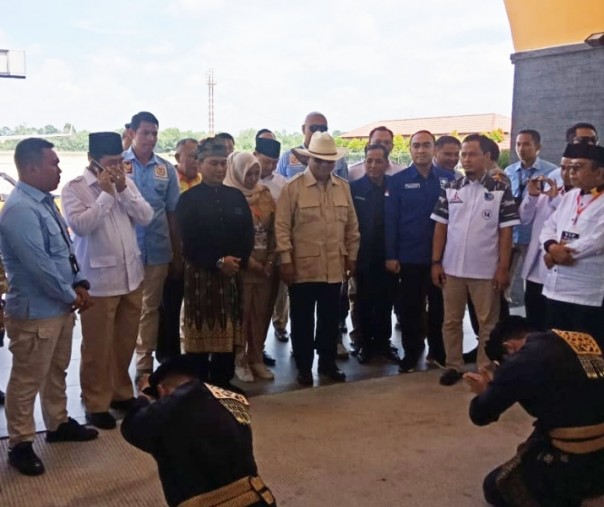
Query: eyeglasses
pixel 317 128
pixel 577 167
pixel 585 140
pixel 565 167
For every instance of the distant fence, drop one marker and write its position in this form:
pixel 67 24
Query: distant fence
pixel 358 156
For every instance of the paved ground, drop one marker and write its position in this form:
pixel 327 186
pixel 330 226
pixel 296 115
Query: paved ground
pixel 285 372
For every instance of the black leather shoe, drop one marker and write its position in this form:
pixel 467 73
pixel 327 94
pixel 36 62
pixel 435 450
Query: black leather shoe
pixel 2 397
pixel 282 335
pixel 364 355
pixel 71 431
pixel 268 360
pixel 390 353
pixel 450 377
pixel 123 405
pixel 407 364
pixel 333 372
pixel 305 378
pixel 25 460
pixel 102 420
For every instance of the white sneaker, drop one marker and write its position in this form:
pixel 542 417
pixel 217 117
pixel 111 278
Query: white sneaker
pixel 342 351
pixel 261 371
pixel 244 373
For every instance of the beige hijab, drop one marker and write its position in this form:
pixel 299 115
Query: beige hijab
pixel 238 164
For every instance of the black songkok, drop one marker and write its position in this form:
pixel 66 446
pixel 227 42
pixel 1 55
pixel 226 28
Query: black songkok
pixel 211 147
pixel 178 365
pixel 268 147
pixel 586 151
pixel 105 143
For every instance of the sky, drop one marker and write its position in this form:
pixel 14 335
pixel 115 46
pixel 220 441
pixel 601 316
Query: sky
pixel 95 64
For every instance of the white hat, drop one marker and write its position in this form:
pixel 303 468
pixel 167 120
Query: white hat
pixel 324 147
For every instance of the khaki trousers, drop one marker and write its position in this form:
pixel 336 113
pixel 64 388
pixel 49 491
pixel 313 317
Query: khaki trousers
pixel 41 352
pixel 281 311
pixel 486 302
pixel 109 331
pixel 153 287
pixel 258 303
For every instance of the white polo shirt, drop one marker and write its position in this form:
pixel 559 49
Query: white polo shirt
pixel 474 211
pixel 583 282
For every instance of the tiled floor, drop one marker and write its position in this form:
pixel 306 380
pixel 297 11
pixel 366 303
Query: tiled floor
pixel 285 371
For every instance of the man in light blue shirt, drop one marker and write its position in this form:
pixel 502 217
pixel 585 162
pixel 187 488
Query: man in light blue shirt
pixel 528 144
pixel 290 163
pixel 157 181
pixel 45 288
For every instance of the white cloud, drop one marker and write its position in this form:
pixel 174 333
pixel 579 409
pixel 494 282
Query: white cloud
pixel 273 63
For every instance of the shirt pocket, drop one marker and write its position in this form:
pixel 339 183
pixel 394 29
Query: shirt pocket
pixel 56 242
pixel 340 205
pixel 161 186
pixel 103 261
pixel 308 212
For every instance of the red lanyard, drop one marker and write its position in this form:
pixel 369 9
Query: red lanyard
pixel 581 209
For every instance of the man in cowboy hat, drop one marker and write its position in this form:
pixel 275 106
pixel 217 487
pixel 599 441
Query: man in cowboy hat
pixel 200 436
pixel 318 240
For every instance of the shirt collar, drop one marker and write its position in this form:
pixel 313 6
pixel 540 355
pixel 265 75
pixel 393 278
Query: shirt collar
pixel 129 155
pixel 89 178
pixel 33 192
pixel 467 181
pixel 535 165
pixel 416 173
pixel 310 180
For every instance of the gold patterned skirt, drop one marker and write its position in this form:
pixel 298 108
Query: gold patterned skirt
pixel 213 311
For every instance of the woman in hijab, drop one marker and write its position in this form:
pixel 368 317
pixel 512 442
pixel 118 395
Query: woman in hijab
pixel 259 276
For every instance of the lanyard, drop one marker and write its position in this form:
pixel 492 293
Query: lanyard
pixel 73 262
pixel 581 208
pixel 521 182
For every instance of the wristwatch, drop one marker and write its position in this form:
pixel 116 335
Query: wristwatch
pixel 437 262
pixel 220 263
pixel 85 284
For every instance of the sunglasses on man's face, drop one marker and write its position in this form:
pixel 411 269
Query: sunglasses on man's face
pixel 585 140
pixel 317 128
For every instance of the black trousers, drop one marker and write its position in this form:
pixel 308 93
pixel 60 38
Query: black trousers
pixel 168 333
pixel 304 298
pixel 573 317
pixel 375 294
pixel 215 368
pixel 415 291
pixel 535 304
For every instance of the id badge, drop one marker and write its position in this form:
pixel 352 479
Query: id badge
pixel 73 262
pixel 568 237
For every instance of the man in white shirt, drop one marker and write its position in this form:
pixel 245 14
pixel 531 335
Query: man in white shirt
pixel 102 207
pixel 573 238
pixel 471 251
pixel 384 137
pixel 542 198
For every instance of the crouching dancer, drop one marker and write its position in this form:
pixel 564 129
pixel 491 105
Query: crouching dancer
pixel 558 378
pixel 201 438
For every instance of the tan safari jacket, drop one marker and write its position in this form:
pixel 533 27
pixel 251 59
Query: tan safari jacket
pixel 316 228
